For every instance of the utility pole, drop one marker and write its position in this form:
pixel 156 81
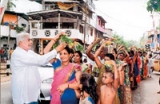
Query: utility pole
pixel 9 35
pixel 85 25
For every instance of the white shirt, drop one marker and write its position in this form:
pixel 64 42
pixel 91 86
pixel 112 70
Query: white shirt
pixel 85 101
pixel 25 81
pixel 150 62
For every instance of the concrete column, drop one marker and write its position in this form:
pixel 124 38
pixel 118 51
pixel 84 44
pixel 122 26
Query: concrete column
pixel 59 21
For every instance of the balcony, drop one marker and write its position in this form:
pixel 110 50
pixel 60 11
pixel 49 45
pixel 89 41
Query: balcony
pixel 5 31
pixel 50 33
pixel 108 33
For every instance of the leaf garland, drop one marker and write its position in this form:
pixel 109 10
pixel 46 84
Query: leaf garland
pixel 94 47
pixel 73 45
pixel 78 46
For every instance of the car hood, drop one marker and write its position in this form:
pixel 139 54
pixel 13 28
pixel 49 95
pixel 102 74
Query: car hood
pixel 46 72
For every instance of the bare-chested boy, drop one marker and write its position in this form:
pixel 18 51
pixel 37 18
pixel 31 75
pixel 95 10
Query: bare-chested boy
pixel 110 80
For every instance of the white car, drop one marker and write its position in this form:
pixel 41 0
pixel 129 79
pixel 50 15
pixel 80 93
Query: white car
pixel 46 74
pixel 156 61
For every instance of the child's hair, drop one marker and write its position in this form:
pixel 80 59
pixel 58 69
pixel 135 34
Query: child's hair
pixel 115 50
pixel 110 55
pixel 89 85
pixel 108 70
pixel 71 51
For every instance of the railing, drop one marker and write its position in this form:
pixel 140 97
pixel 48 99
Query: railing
pixel 50 33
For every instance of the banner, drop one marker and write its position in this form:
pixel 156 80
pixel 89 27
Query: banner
pixel 85 10
pixel 3 5
pixel 65 6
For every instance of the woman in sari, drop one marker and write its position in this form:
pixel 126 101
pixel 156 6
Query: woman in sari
pixel 77 58
pixel 145 65
pixel 66 81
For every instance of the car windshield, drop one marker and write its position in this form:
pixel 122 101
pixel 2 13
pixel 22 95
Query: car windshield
pixel 47 65
pixel 156 55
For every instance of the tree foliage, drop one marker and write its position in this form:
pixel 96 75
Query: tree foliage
pixel 153 5
pixel 119 40
pixel 127 43
pixel 19 29
pixel 130 43
pixel 10 5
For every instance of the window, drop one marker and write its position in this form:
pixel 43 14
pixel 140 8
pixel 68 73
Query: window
pixel 103 26
pixel 81 29
pixel 99 22
pixel 91 31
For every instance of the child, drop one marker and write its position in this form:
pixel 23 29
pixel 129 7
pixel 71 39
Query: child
pixel 150 65
pixel 110 80
pixel 88 89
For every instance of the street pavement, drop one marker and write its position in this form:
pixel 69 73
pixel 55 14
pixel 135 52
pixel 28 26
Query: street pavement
pixel 6 93
pixel 146 93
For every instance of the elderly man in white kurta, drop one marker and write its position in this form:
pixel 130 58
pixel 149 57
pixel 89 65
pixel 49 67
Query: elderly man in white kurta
pixel 25 76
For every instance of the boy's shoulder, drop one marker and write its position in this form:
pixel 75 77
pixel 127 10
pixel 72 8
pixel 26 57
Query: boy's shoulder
pixel 103 87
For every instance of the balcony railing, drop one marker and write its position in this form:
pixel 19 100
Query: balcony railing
pixel 51 33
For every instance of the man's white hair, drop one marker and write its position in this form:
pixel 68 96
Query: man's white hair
pixel 21 37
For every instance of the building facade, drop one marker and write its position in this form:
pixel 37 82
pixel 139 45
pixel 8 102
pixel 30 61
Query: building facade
pixel 11 23
pixel 76 18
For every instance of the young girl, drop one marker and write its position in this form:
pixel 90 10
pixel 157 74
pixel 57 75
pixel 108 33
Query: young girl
pixel 88 89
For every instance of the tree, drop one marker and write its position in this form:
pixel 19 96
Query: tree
pixel 127 43
pixel 38 1
pixel 130 43
pixel 119 40
pixel 153 5
pixel 10 5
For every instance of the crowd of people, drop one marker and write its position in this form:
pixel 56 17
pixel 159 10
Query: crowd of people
pixel 75 80
pixel 5 54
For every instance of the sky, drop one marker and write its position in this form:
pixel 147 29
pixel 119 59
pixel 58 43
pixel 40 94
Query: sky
pixel 127 18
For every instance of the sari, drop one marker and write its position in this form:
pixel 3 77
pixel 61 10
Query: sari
pixel 145 74
pixel 124 91
pixel 99 81
pixel 65 75
pixel 84 67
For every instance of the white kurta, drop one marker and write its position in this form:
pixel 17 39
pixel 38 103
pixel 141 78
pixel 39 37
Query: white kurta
pixel 25 76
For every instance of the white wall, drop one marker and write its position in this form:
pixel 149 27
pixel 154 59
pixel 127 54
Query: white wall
pixel 93 20
pixel 4 31
pixel 23 21
pixel 25 6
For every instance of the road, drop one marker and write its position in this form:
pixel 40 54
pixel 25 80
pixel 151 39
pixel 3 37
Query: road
pixel 6 93
pixel 147 91
pixel 145 94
